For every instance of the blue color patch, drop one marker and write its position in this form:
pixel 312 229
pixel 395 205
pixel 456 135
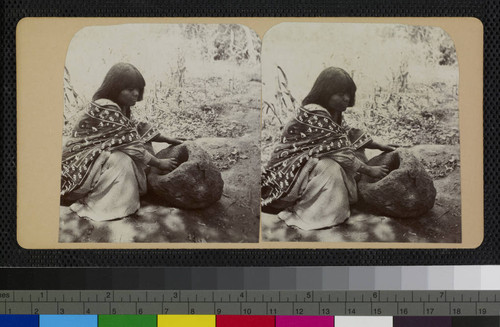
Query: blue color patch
pixel 19 320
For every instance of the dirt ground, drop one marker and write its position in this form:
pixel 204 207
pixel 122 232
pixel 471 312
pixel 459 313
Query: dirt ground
pixel 442 224
pixel 234 218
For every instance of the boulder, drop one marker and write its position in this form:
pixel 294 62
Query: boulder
pixel 196 183
pixel 407 191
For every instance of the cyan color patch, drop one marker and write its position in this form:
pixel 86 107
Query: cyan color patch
pixel 68 320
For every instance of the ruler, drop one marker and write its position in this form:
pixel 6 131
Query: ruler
pixel 250 302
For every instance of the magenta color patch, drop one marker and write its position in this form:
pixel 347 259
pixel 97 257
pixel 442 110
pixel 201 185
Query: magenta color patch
pixel 304 321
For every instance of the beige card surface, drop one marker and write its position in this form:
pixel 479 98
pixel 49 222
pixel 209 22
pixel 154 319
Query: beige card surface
pixel 231 89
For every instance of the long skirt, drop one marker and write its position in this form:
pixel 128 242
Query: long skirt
pixel 112 188
pixel 321 197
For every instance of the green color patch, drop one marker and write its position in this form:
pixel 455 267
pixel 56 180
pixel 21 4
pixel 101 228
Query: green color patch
pixel 127 320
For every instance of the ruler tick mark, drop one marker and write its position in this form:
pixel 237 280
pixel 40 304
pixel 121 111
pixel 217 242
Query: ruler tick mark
pixel 457 305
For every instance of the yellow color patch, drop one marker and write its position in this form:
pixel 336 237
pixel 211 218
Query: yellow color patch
pixel 186 321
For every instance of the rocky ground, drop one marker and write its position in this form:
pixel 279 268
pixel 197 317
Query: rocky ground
pixel 440 225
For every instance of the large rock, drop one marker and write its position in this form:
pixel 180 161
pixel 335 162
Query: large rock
pixel 407 191
pixel 195 183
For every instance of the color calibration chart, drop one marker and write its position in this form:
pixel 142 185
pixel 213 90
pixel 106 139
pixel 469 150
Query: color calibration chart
pixel 243 321
pixel 204 308
pixel 252 296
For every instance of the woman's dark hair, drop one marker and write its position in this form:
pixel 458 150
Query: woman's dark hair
pixel 330 81
pixel 120 77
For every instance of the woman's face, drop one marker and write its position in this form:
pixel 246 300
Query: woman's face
pixel 339 102
pixel 128 97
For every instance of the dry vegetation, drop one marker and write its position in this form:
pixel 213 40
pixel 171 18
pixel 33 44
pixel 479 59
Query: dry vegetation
pixel 199 96
pixel 398 110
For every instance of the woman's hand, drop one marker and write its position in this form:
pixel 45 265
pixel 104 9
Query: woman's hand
pixel 166 165
pixel 165 139
pixel 381 147
pixel 388 147
pixel 377 171
pixel 176 141
pixel 374 171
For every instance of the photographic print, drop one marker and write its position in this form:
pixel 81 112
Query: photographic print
pixel 161 134
pixel 257 132
pixel 360 134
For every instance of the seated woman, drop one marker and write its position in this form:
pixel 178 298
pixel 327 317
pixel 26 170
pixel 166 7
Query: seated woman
pixel 310 177
pixel 104 161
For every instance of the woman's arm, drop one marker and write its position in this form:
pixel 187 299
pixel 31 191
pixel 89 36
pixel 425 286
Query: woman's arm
pixel 165 139
pixel 381 147
pixel 347 160
pixel 140 153
pixel 164 165
pixel 373 171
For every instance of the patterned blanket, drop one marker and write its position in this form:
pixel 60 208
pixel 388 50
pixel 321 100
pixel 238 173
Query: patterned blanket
pixel 103 127
pixel 311 134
